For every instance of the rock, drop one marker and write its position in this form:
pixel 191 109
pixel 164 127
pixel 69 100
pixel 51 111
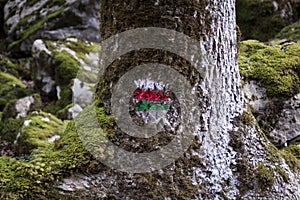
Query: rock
pixel 288 125
pixel 57 64
pixel 271 81
pixel 26 21
pixel 21 107
pixel 256 96
pixel 11 89
pixel 38 130
pixel 272 66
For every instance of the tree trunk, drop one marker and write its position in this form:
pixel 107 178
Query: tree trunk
pixel 229 158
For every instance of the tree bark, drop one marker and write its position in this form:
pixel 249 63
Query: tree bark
pixel 223 161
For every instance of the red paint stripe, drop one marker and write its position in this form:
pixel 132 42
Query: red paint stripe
pixel 150 95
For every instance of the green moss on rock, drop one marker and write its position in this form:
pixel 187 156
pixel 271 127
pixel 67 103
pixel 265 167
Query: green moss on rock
pixel 27 32
pixel 273 66
pixel 67 68
pixel 10 80
pixel 7 66
pixel 81 47
pixel 11 88
pixel 294 149
pixel 265 177
pixel 35 133
pixel 32 179
pixel 9 128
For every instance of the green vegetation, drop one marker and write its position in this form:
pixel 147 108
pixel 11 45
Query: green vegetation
pixel 26 33
pixel 259 20
pixel 7 66
pixel 40 127
pixel 32 178
pixel 9 128
pixel 81 47
pixel 291 32
pixel 11 88
pixel 10 80
pixel 289 154
pixel 294 150
pixel 275 67
pixel 67 68
pixel 265 177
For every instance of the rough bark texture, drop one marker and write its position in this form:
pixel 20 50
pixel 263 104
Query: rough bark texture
pixel 230 158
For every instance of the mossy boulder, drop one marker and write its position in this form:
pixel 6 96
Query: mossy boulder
pixel 34 176
pixel 26 21
pixel 38 130
pixel 21 107
pixel 262 20
pixel 275 67
pixel 14 113
pixel 11 88
pixel 57 65
pixel 7 66
pixel 271 84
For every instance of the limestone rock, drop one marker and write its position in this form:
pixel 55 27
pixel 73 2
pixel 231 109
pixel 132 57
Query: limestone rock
pixel 57 65
pixel 288 125
pixel 256 96
pixel 21 107
pixel 38 130
pixel 26 21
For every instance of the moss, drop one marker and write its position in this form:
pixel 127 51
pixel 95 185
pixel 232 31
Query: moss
pixel 53 109
pixel 292 155
pixel 81 47
pixel 25 66
pixel 64 113
pixel 11 88
pixel 36 106
pixel 282 173
pixel 10 108
pixel 9 128
pixel 35 134
pixel 275 156
pixel 10 80
pixel 265 177
pixel 247 118
pixel 290 159
pixel 291 32
pixel 293 149
pixel 7 66
pixel 65 97
pixel 31 2
pixel 60 107
pixel 67 68
pixel 32 179
pixel 274 68
pixel 26 33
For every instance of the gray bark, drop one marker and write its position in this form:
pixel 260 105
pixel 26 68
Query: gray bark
pixel 224 159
